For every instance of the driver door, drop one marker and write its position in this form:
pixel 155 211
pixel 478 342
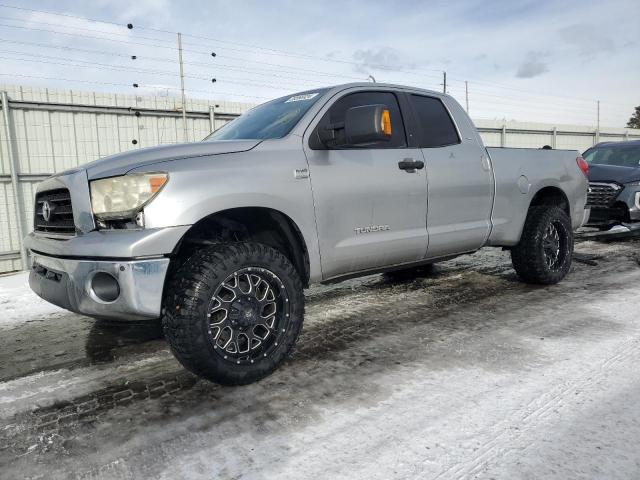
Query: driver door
pixel 370 209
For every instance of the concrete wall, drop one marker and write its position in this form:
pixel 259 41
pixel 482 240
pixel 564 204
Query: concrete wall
pixel 54 130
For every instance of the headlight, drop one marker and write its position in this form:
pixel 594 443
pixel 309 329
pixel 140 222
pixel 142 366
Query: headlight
pixel 124 196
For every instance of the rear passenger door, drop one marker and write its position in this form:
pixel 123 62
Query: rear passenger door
pixel 370 213
pixel 460 184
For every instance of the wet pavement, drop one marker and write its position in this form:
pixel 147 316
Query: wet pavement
pixel 460 373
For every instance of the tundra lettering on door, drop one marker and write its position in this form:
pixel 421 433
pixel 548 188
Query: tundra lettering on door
pixel 372 228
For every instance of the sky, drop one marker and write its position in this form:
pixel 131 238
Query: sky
pixel 542 61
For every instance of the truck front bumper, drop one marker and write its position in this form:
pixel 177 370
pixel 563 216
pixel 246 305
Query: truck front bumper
pixel 122 290
pixel 113 275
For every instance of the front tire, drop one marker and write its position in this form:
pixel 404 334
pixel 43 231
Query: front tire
pixel 233 312
pixel 544 253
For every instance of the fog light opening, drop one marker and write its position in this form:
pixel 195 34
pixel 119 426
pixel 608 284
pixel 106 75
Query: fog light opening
pixel 105 287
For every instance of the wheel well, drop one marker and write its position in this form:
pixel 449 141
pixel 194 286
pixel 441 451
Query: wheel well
pixel 249 224
pixel 551 196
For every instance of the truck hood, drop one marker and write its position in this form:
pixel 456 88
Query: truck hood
pixel 121 163
pixel 613 173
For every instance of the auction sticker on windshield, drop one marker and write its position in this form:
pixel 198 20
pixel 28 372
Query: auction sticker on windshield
pixel 301 98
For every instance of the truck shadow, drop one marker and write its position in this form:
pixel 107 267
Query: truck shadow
pixel 71 341
pixel 107 341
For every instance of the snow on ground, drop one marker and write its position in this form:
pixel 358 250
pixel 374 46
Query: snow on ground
pixel 464 373
pixel 18 303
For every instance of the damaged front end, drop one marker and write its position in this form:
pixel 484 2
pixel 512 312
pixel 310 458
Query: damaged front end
pixel 614 188
pixel 614 210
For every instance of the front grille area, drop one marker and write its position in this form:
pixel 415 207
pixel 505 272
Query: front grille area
pixel 602 194
pixel 56 205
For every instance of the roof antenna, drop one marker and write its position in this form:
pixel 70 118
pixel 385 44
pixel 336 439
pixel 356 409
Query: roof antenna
pixel 373 79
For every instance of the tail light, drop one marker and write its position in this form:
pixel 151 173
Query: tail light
pixel 584 166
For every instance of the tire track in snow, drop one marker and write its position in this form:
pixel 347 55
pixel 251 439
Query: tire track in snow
pixel 538 410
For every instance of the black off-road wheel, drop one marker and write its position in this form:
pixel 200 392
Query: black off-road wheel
pixel 544 253
pixel 232 313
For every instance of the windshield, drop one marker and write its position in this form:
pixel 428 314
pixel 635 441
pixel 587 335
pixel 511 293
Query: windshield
pixel 619 155
pixel 273 119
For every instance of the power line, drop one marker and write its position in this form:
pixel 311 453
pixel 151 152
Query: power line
pixel 265 50
pixel 128 42
pixel 200 52
pixel 74 62
pixel 281 68
pixel 529 92
pixel 25 9
pixel 143 86
pixel 75 27
pixel 525 101
pixel 64 47
pixel 102 66
pixel 215 66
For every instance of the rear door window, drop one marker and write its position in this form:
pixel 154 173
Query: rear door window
pixel 435 127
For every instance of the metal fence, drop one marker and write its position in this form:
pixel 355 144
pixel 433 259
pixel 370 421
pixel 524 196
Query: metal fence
pixel 44 131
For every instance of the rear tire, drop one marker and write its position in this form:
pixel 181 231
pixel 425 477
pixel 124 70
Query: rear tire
pixel 544 253
pixel 233 312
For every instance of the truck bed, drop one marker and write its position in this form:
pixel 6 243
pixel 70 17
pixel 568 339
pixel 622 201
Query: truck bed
pixel 518 172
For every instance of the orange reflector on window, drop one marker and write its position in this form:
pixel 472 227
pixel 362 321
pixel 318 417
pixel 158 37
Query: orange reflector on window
pixel 386 122
pixel 156 183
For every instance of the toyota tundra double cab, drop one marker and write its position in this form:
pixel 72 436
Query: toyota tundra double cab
pixel 219 238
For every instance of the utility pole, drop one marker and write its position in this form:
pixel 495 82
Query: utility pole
pixel 184 102
pixel 444 82
pixel 598 124
pixel 466 95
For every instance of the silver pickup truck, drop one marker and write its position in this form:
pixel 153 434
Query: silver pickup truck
pixel 219 238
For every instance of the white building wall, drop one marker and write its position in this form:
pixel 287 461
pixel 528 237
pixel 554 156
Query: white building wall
pixel 47 141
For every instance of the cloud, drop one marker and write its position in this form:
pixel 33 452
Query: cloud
pixel 587 39
pixel 532 66
pixel 383 58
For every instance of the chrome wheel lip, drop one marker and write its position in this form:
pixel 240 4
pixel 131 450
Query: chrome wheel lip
pixel 238 342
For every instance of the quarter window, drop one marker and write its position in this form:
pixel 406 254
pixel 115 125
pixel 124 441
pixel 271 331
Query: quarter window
pixel 435 129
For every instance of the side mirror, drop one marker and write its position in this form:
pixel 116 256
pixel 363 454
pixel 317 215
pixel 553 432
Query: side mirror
pixel 362 125
pixel 367 124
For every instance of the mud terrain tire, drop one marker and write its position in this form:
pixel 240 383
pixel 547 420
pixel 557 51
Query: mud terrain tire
pixel 544 253
pixel 216 298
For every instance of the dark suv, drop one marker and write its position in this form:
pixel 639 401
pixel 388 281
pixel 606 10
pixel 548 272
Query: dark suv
pixel 614 183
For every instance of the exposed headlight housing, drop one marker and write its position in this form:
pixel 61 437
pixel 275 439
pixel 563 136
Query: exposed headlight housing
pixel 119 198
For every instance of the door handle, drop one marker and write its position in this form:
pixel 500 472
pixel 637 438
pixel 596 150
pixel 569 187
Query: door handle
pixel 410 165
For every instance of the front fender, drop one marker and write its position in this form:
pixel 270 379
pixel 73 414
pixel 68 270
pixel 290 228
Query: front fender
pixel 199 187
